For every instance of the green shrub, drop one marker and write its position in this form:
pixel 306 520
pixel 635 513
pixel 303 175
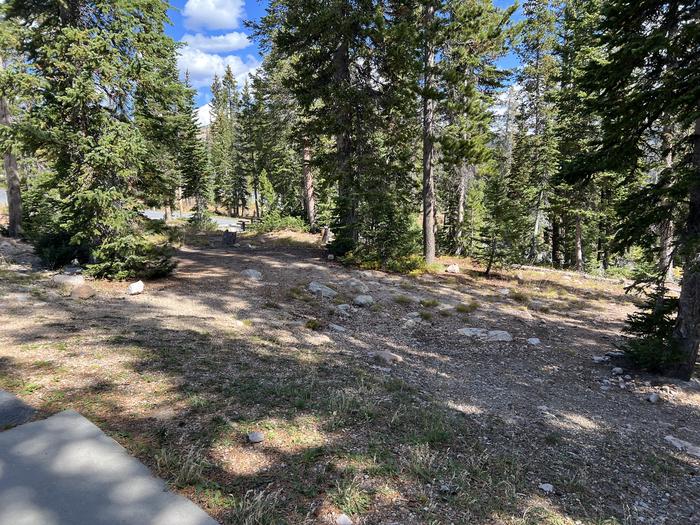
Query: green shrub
pixel 275 221
pixel 110 239
pixel 653 347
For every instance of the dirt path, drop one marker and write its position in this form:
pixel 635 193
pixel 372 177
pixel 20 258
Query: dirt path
pixel 462 430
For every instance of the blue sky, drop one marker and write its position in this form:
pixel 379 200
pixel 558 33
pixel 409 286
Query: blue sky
pixel 216 37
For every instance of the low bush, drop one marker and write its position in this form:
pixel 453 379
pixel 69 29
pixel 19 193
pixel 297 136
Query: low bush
pixel 275 221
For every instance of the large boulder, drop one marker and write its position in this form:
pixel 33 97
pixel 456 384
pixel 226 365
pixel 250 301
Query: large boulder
pixel 324 291
pixel 453 268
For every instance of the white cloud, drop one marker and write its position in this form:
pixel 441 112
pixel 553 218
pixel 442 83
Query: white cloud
pixel 217 43
pixel 213 14
pixel 203 66
pixel 204 115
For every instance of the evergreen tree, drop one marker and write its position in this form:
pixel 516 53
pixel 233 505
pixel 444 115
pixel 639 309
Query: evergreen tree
pixel 247 181
pixel 650 76
pixel 224 113
pixel 10 68
pixel 536 154
pixel 469 79
pixel 158 117
pixel 193 163
pixel 504 237
pixel 88 59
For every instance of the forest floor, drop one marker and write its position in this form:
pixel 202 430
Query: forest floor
pixel 440 428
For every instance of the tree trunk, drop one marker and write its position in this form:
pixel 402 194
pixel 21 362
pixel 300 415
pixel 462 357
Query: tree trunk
pixel 347 234
pixel 461 198
pixel 255 198
pixel 168 213
pixel 666 251
pixel 309 198
pixel 686 333
pixel 556 240
pixel 536 228
pixel 429 210
pixel 180 204
pixel 14 190
pixel 579 245
pixel 666 226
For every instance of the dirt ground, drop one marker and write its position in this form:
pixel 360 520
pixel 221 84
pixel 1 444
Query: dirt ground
pixel 440 428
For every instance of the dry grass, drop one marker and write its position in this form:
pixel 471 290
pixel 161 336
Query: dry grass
pixel 449 436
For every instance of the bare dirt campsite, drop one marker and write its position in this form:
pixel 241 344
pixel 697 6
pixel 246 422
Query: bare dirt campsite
pixel 376 398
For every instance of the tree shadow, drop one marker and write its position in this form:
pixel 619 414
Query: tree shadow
pixel 207 356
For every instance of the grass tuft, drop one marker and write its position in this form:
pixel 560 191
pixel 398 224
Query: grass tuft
pixel 256 507
pixel 349 496
pixel 420 461
pixel 467 308
pixel 182 469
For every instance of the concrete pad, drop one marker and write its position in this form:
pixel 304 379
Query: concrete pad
pixel 13 411
pixel 66 471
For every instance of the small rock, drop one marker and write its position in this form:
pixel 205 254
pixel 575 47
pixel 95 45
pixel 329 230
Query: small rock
pixel 617 371
pixel 493 336
pixel 683 446
pixel 504 291
pixel 344 310
pixel 413 315
pixel 336 327
pixel 628 377
pixel 534 341
pixel 363 300
pixel 135 288
pixel 615 353
pixel 600 359
pixel 411 323
pixel 388 358
pixel 343 519
pixel 256 437
pixel 453 268
pixel 83 291
pixel 19 297
pixel 331 257
pixel 322 290
pixel 653 397
pixel 251 246
pixel 499 336
pixel 68 280
pixel 473 332
pixel 251 274
pixel 356 286
pixel 547 488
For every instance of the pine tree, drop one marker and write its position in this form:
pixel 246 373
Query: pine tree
pixel 650 76
pixel 88 59
pixel 193 163
pixel 504 237
pixel 224 113
pixel 469 80
pixel 157 113
pixel 9 36
pixel 536 150
pixel 247 182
